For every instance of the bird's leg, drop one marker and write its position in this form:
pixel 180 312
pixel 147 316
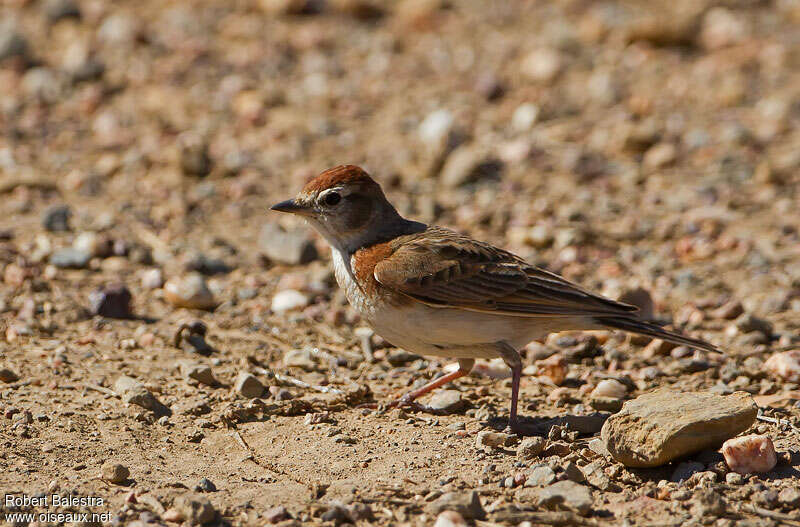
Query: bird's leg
pixel 512 359
pixel 464 367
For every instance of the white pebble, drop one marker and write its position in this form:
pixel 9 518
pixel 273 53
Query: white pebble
pixel 288 300
pixel 610 388
pixel 152 279
pixel 524 117
pixel 435 126
pixel 750 454
pixel 784 365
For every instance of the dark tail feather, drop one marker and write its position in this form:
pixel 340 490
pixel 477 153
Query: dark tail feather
pixel 653 330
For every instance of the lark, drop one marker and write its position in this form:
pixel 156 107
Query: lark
pixel 435 292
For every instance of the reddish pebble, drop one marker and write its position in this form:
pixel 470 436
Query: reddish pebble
pixel 750 454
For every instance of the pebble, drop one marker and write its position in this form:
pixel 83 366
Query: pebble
pixel 207 266
pixel 197 510
pixel 112 301
pixel 92 244
pixel 288 247
pixel 531 447
pixel 450 519
pixel 790 497
pixel 542 64
pixel 469 164
pixel 722 28
pixel 114 472
pixel 685 470
pixel 784 365
pixel 434 129
pixel 56 219
pixel 70 258
pixel 133 392
pixel 733 478
pixel 660 155
pixel 194 157
pixel 205 485
pixel 152 279
pixel 566 494
pixel 199 372
pixel 189 291
pixel 486 439
pixel 750 454
pixel 13 43
pixel 596 476
pixel 663 425
pixel 553 368
pixel 288 300
pixel 300 359
pixel 276 514
pixel 447 401
pixel 610 388
pixel 524 117
pixel 728 311
pixel 56 10
pixel 247 385
pixel 8 376
pixel 539 476
pixel 465 503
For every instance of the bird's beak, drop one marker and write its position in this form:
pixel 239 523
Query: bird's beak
pixel 290 206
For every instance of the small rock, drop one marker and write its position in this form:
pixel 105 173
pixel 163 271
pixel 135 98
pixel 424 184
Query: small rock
pixel 750 454
pixel 56 10
pixel 288 300
pixel 189 291
pixel 114 472
pixel 195 509
pixel 152 279
pixel 8 376
pixel 524 117
pixel 400 357
pixel 785 365
pixel 56 219
pixel 539 476
pixel 289 247
pixel 248 386
pixel 207 266
pixel 450 519
pixel 606 404
pixel 542 64
pixel 199 372
pixel 748 322
pixel 467 504
pixel 663 425
pixel 433 130
pixel 660 155
pixel 733 478
pixel 707 502
pixel 447 401
pixel 12 43
pixel 790 497
pixel 489 440
pixel 566 495
pixel 685 470
pixel 553 368
pixel 531 447
pixel 728 311
pixel 723 27
pixel 195 160
pixel 93 244
pixel 610 388
pixel 70 258
pixel 300 359
pixel 133 392
pixel 596 476
pixel 276 514
pixel 469 164
pixel 205 485
pixel 112 301
pixel 573 472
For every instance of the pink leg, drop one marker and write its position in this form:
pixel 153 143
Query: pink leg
pixel 513 360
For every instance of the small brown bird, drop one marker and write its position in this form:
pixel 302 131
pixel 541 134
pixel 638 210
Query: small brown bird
pixel 435 292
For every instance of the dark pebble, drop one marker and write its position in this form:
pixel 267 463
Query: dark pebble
pixel 113 301
pixel 56 219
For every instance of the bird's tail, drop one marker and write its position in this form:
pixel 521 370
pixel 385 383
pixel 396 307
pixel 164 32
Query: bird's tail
pixel 650 329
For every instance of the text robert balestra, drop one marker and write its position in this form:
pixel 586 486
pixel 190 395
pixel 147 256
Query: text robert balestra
pixel 51 500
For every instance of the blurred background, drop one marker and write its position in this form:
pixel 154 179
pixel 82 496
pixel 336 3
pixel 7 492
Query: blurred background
pixel 647 150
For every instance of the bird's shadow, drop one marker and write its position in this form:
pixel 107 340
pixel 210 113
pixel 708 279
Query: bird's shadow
pixel 585 425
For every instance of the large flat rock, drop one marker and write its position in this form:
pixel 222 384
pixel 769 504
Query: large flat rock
pixel 663 425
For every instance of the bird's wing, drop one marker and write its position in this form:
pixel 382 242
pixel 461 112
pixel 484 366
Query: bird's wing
pixel 444 269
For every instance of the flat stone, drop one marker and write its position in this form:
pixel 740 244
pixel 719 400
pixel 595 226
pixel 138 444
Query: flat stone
pixel 199 372
pixel 566 495
pixel 133 392
pixel 288 247
pixel 663 425
pixel 447 401
pixel 248 386
pixel 70 258
pixel 539 476
pixel 467 504
pixel 531 447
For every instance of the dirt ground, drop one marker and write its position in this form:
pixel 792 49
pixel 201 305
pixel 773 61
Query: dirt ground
pixel 625 145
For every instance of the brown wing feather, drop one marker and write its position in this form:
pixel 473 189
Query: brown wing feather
pixel 445 269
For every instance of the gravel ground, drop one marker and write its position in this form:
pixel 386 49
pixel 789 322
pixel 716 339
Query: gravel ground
pixel 646 150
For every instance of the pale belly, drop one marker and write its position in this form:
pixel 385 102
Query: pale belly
pixel 447 332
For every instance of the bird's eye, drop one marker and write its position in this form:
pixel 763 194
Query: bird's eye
pixel 332 198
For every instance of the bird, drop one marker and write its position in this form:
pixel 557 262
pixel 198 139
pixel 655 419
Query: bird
pixel 435 292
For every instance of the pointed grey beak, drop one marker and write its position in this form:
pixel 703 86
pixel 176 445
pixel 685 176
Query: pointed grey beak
pixel 290 206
